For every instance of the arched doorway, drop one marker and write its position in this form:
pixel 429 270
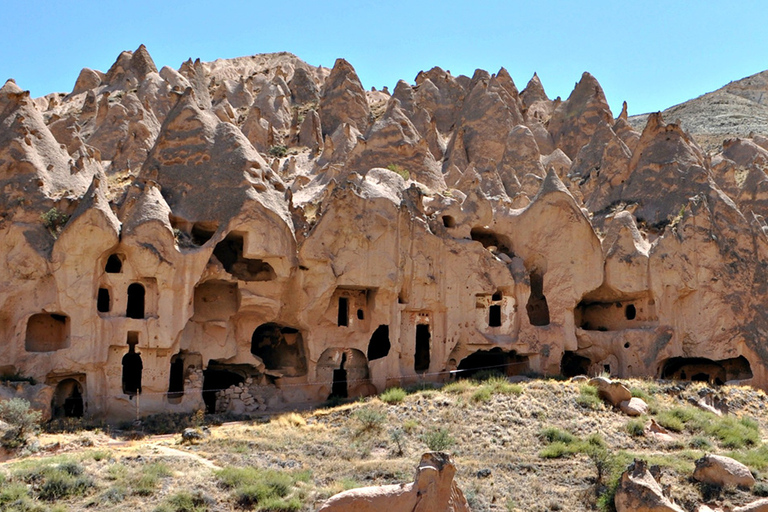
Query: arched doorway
pixel 68 399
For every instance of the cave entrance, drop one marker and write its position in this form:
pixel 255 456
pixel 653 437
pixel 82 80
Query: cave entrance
pixel 135 308
pixel 47 332
pixel 132 367
pixel 114 264
pixel 699 369
pixel 490 239
pixel 343 316
pixel 493 361
pixel 103 301
pixel 68 399
pixel 421 357
pixel 217 377
pixel 379 345
pixel 281 349
pixel 339 386
pixel 230 253
pixel 573 364
pixel 537 307
pixel 176 379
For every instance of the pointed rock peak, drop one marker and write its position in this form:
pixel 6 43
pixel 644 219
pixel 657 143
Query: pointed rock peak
pixel 343 70
pixel 504 79
pixel 480 76
pixel 122 63
pixel 10 87
pixel 432 74
pixel 624 226
pixel 534 91
pixel 587 88
pixel 95 198
pixel 623 114
pixel 552 184
pixel 142 63
pixel 87 79
pixel 403 91
pixel 151 206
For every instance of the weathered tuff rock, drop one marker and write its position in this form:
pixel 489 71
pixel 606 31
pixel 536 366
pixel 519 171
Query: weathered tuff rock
pixel 639 491
pixel 433 490
pixel 755 506
pixel 721 470
pixel 264 232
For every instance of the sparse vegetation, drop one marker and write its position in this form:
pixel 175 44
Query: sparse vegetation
pixel 21 419
pixel 54 221
pixel 278 151
pixel 535 427
pixel 438 440
pixel 393 395
pixel 397 169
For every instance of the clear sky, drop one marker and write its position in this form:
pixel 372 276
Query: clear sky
pixel 653 54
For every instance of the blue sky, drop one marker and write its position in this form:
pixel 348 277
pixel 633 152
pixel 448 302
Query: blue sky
pixel 653 54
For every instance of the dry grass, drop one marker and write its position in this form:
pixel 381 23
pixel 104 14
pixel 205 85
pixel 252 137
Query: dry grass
pixel 505 429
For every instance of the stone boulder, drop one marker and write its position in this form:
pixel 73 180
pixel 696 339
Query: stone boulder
pixel 720 470
pixel 640 492
pixel 611 391
pixel 432 491
pixel 634 407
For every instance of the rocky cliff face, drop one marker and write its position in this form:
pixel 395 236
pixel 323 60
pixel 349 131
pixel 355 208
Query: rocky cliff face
pixel 246 233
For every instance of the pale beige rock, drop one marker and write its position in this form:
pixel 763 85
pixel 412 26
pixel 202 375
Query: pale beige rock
pixel 432 491
pixel 639 491
pixel 343 100
pixel 721 470
pixel 611 391
pixel 634 407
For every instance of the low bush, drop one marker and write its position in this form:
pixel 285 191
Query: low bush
pixel 635 428
pixel 262 489
pixel 588 398
pixel 370 419
pixel 438 440
pixel 17 413
pixel 393 395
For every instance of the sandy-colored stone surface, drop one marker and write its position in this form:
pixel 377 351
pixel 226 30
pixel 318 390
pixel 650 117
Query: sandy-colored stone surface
pixel 265 232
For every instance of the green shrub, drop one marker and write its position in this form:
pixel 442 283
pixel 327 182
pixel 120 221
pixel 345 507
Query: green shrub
pixel 370 419
pixel 278 151
pixel 185 501
pixel 438 440
pixel 760 489
pixel 54 221
pixel 635 428
pixel 404 173
pixel 700 443
pixel 393 395
pixel 555 435
pixel 264 490
pixel 459 386
pixel 22 420
pixel 398 437
pixel 60 484
pixel 588 398
pixel 482 394
pixel 729 431
pixel 558 449
pixel 145 482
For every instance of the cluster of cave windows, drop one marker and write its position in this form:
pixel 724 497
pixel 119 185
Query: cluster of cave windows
pixel 614 315
pixel 351 305
pixel 136 292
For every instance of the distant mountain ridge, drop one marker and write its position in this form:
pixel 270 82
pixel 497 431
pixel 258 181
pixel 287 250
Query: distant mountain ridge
pixel 737 109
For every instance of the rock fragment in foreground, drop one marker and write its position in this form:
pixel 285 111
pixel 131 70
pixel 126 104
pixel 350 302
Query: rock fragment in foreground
pixel 720 470
pixel 433 490
pixel 640 492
